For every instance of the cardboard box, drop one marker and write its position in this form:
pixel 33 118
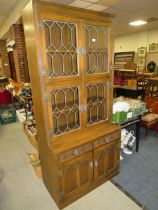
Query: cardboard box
pixel 132 83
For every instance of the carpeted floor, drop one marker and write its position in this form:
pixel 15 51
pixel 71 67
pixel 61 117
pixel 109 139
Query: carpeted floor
pixel 139 172
pixel 20 189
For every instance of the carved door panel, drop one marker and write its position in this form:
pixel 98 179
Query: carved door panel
pixel 106 160
pixel 75 174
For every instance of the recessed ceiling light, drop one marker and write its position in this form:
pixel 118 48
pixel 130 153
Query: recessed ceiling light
pixel 137 23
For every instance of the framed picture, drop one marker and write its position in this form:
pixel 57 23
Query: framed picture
pixel 142 51
pixel 153 47
pixel 141 62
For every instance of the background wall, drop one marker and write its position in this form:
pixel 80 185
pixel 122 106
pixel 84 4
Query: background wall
pixel 133 41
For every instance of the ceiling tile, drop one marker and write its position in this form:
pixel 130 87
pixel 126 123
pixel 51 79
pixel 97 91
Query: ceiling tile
pixel 81 4
pixel 1 19
pixel 5 8
pixel 10 2
pixel 66 2
pixel 109 3
pixel 96 7
pixel 93 1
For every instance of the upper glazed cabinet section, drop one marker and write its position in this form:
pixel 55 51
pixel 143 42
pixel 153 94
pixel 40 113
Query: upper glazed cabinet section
pixel 67 43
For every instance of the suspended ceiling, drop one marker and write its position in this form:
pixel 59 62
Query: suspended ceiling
pixel 125 11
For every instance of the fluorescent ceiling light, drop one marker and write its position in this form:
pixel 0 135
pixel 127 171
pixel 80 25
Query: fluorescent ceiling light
pixel 137 23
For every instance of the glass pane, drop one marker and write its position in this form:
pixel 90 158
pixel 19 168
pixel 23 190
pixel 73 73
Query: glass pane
pixel 65 109
pixel 96 102
pixel 61 48
pixel 96 49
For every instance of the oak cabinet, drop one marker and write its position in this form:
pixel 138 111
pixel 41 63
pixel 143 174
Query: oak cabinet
pixel 69 53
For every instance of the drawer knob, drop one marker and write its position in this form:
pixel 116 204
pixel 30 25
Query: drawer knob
pixel 108 139
pixel 96 163
pixel 76 152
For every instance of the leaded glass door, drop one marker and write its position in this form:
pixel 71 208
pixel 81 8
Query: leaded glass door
pixel 97 73
pixel 63 74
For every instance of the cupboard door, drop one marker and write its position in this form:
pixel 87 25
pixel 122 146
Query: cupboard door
pixel 62 62
pixel 97 107
pixel 96 49
pixel 106 160
pixel 97 73
pixel 75 175
pixel 61 48
pixel 65 110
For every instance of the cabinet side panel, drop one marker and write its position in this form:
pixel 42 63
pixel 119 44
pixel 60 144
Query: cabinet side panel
pixel 48 165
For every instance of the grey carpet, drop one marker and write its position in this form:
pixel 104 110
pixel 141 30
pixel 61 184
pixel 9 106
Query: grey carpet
pixel 139 172
pixel 20 189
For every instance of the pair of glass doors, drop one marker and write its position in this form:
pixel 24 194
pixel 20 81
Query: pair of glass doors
pixel 76 59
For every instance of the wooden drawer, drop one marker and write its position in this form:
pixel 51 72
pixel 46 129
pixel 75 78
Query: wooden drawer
pixel 107 139
pixel 78 151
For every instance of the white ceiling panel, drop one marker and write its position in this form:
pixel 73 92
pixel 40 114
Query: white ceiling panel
pixel 5 8
pixel 110 3
pixel 81 4
pixel 96 7
pixel 93 1
pixel 10 2
pixel 1 19
pixel 66 2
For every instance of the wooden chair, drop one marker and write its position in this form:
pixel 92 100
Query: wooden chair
pixel 154 89
pixel 149 122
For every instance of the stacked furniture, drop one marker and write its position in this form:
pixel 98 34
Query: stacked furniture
pixel 69 54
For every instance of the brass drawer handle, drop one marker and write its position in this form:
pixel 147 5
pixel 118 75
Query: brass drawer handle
pixel 109 138
pixel 91 164
pixel 96 163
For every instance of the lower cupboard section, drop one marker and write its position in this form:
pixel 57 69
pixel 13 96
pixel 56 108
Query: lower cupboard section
pixel 82 174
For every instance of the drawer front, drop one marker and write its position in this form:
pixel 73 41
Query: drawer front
pixel 107 139
pixel 78 151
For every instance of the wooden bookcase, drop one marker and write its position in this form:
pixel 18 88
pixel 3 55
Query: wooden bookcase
pixel 69 54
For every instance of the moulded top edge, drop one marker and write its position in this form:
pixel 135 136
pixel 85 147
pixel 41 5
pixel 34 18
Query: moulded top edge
pixel 74 9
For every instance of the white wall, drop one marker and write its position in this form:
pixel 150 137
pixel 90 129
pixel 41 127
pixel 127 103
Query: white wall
pixel 133 41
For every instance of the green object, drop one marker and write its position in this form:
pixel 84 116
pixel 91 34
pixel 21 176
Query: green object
pixel 119 117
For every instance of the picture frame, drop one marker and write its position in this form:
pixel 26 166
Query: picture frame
pixel 153 47
pixel 142 51
pixel 141 62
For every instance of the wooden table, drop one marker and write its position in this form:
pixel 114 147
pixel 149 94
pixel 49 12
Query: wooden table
pixel 154 79
pixel 134 121
pixel 127 91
